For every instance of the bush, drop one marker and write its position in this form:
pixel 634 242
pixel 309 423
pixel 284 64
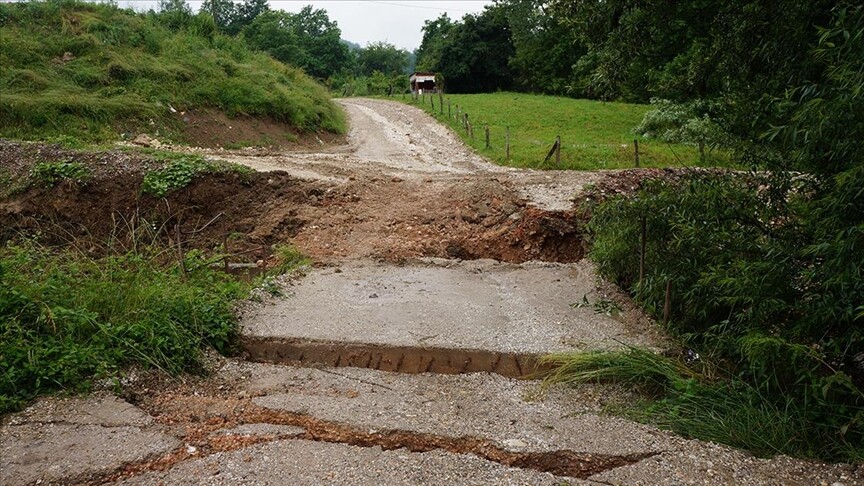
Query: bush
pixel 66 318
pixel 758 287
pixel 690 123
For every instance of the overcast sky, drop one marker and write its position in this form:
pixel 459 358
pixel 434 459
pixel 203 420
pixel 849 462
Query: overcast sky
pixel 363 21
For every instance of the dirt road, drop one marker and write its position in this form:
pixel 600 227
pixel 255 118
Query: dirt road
pixel 406 355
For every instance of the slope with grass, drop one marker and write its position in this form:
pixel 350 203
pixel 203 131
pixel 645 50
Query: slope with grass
pixel 91 72
pixel 594 134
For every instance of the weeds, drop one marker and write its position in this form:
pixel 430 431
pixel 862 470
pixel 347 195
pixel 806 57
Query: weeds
pixel 603 306
pixel 65 318
pixel 50 173
pixel 695 403
pixel 180 171
pixel 288 258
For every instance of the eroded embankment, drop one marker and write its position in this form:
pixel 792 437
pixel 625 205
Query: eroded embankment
pixel 390 220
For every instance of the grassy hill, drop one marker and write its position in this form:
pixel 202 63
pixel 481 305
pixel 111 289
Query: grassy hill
pixel 594 134
pixel 93 71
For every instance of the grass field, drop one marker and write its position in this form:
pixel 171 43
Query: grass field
pixel 594 134
pixel 85 71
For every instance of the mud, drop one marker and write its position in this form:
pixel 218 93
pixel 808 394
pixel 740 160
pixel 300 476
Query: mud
pixel 401 359
pixel 386 219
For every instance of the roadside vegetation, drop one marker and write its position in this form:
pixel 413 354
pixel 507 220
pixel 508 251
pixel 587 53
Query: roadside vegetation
pixel 67 319
pixel 594 134
pixel 70 321
pixel 78 309
pixel 761 270
pixel 91 72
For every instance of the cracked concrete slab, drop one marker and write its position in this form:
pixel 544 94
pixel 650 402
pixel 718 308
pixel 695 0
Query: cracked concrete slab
pixel 301 462
pixel 98 409
pixel 699 462
pixel 63 439
pixel 479 305
pixel 513 414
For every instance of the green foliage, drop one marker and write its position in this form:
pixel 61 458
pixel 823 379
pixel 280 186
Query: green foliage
pixel 376 84
pixel 751 289
pixel 66 318
pixel 289 258
pixel 688 123
pixel 696 404
pixel 765 267
pixel 91 71
pixel 472 55
pixel 382 57
pixel 307 39
pixel 180 172
pixel 50 173
pixel 594 135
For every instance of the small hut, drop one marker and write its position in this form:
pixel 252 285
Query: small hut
pixel 423 83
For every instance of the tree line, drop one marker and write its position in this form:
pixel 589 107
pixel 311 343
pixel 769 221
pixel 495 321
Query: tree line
pixel 307 39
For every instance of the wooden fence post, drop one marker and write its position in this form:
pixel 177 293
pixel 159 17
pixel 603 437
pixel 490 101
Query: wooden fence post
pixel 636 145
pixel 558 152
pixel 432 99
pixel 554 150
pixel 667 306
pixel 225 249
pixel 441 101
pixel 449 113
pixel 642 252
pixel 488 146
pixel 180 258
pixel 507 137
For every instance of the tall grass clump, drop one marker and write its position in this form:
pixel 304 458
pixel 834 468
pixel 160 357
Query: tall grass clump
pixel 66 318
pixel 93 71
pixel 690 401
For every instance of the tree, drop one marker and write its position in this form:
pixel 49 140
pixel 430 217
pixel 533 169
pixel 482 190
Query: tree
pixel 545 50
pixel 271 32
pixel 435 35
pixel 382 57
pixel 231 18
pixel 223 12
pixel 476 52
pixel 321 41
pixel 307 39
pixel 174 14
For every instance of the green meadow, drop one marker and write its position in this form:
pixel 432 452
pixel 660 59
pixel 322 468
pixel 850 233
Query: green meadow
pixel 594 134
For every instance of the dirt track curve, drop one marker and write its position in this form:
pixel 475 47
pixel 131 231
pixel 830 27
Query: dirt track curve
pixel 406 355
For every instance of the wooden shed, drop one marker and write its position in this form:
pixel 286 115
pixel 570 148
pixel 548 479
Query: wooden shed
pixel 423 83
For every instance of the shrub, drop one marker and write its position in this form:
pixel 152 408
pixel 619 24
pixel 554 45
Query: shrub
pixel 66 318
pixel 756 288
